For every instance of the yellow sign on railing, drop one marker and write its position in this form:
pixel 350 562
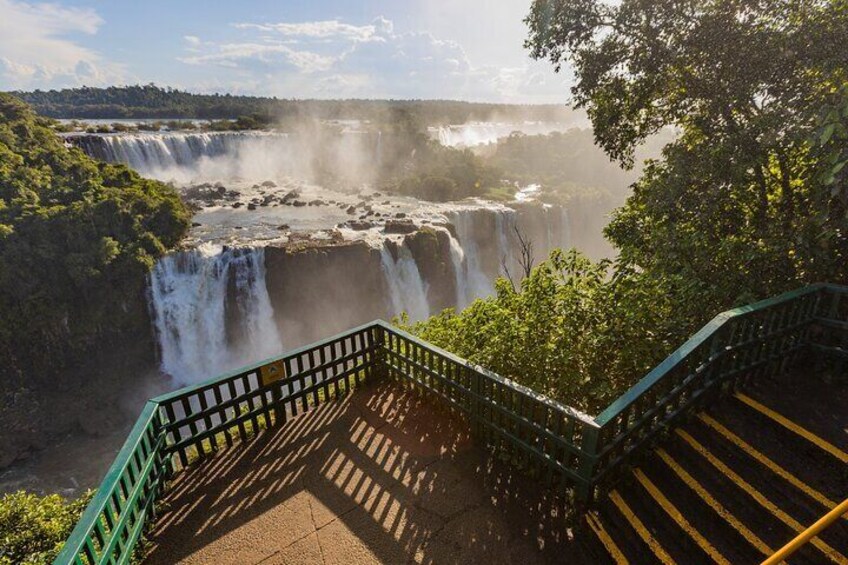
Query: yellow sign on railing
pixel 272 372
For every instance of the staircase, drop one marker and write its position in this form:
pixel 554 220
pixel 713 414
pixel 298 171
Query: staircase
pixel 735 483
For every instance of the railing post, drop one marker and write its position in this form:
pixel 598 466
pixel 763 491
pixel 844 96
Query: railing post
pixel 380 368
pixel 589 450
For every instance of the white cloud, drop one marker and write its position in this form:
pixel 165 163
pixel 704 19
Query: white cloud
pixel 266 54
pixel 36 53
pixel 327 29
pixel 334 59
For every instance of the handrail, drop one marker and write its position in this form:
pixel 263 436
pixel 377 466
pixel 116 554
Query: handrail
pixel 573 412
pixel 798 542
pixel 108 509
pixel 734 346
pixel 701 336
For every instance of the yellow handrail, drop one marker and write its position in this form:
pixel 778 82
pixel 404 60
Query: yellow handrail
pixel 808 534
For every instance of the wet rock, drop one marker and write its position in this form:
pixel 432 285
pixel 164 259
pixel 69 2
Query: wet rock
pixel 251 206
pixel 359 225
pixel 351 210
pixel 400 215
pixel 291 196
pixel 299 203
pixel 269 184
pixel 400 226
pixel 237 204
pixel 195 225
pixel 283 227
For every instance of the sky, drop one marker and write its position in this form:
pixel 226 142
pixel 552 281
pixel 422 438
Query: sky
pixel 446 49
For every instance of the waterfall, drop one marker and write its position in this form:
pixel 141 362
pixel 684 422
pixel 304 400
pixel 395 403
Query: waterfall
pixel 460 268
pixel 212 312
pixel 476 282
pixel 187 157
pixel 407 290
pixel 504 223
pixel 565 227
pixel 472 134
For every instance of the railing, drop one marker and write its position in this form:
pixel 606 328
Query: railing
pixel 179 428
pixel 112 523
pixel 533 431
pixel 559 445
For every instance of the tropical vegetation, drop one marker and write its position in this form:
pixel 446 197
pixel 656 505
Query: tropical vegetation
pixel 750 199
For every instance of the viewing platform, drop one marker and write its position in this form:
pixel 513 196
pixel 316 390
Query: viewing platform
pixel 374 446
pixel 382 475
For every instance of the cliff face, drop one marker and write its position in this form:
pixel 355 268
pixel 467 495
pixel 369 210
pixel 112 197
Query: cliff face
pixel 319 292
pixel 94 393
pixel 431 250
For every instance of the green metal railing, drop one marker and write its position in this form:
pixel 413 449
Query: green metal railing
pixel 557 444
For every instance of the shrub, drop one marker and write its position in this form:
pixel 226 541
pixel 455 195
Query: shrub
pixel 34 528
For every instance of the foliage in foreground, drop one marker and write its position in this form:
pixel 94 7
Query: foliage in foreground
pixel 33 528
pixel 570 330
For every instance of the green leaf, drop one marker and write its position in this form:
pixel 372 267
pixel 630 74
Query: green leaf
pixel 827 133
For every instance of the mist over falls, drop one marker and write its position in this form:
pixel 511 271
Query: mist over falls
pixel 186 157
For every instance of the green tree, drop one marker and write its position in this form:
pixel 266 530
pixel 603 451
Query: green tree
pixel 77 238
pixel 739 206
pixel 570 330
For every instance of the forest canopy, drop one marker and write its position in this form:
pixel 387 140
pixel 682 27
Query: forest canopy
pixel 151 101
pixel 76 240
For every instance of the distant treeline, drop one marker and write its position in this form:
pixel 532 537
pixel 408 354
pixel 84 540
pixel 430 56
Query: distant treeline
pixel 154 102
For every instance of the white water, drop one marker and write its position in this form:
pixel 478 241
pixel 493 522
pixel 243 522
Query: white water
pixel 460 268
pixel 407 290
pixel 476 283
pixel 190 302
pixel 527 193
pixel 250 155
pixel 472 134
pixel 504 225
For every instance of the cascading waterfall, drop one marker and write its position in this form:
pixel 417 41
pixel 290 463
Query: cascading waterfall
pixel 504 223
pixel 472 134
pixel 212 312
pixel 407 290
pixel 187 157
pixel 476 283
pixel 256 156
pixel 460 267
pixel 565 226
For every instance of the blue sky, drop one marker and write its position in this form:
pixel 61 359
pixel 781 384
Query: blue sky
pixel 456 49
